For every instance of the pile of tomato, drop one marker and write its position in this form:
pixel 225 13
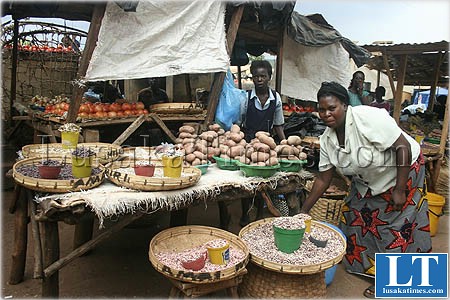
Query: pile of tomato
pixel 36 48
pixel 89 110
pixel 297 108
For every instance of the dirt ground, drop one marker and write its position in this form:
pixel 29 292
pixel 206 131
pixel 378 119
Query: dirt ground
pixel 119 267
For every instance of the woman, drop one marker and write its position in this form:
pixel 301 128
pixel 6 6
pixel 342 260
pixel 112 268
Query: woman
pixel 384 211
pixel 357 95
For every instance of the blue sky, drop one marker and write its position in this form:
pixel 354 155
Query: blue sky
pixel 366 21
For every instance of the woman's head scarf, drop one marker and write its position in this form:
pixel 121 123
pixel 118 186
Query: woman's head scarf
pixel 334 89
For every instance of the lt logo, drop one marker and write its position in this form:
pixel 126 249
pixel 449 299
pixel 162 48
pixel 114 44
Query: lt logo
pixel 411 275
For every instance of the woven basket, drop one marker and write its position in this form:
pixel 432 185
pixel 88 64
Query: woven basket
pixel 327 210
pixel 55 185
pixel 176 108
pixel 189 177
pixel 105 152
pixel 261 283
pixel 178 239
pixel 294 269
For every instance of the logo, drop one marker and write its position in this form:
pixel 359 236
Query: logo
pixel 411 275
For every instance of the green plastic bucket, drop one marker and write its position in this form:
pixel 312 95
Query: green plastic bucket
pixel 288 241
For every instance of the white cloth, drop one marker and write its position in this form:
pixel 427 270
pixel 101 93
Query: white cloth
pixel 367 156
pixel 306 67
pixel 109 200
pixel 162 38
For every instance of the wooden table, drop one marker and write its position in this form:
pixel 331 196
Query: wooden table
pixel 47 252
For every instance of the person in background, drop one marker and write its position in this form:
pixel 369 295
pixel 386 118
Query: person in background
pixel 385 210
pixel 262 111
pixel 356 93
pixel 152 94
pixel 379 102
pixel 439 107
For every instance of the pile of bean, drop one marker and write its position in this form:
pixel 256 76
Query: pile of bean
pixel 83 152
pixel 69 127
pixel 260 242
pixel 289 223
pixel 66 171
pixel 218 243
pixel 51 162
pixel 174 259
pixel 303 217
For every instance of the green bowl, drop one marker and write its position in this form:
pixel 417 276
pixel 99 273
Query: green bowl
pixel 258 171
pixel 432 140
pixel 226 163
pixel 203 168
pixel 291 165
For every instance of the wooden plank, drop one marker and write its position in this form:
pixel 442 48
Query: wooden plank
pixel 58 264
pixel 399 89
pixel 91 42
pixel 388 72
pixel 163 126
pixel 437 66
pixel 220 77
pixel 129 131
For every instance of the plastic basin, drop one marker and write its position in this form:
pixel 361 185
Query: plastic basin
pixel 291 165
pixel 49 172
pixel 203 168
pixel 226 163
pixel 258 171
pixel 147 170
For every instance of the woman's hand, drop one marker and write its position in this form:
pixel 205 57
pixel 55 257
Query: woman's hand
pixel 398 198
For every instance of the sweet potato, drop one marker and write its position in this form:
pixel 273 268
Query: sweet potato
pixel 259 156
pixel 283 142
pixel 259 133
pixel 188 129
pixel 190 157
pixel 235 151
pixel 302 156
pixel 261 147
pixel 196 162
pixel 214 127
pixel 200 155
pixel 267 140
pixel 235 137
pixel 294 140
pixel 235 128
pixel 272 161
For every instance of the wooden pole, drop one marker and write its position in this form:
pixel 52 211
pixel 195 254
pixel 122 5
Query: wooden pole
pixel 399 90
pixel 437 67
pixel 279 66
pixel 20 239
pixel 239 77
pixel 389 74
pixel 378 77
pixel 91 41
pixel 50 283
pixel 220 77
pixel 15 50
pixel 38 268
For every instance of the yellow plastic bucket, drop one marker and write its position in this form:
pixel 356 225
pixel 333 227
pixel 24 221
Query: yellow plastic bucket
pixel 219 256
pixel 435 204
pixel 69 139
pixel 419 138
pixel 172 166
pixel 81 166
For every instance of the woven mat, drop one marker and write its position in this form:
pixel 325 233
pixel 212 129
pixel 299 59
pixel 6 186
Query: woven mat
pixel 109 200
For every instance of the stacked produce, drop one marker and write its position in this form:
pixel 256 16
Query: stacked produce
pixel 89 110
pixel 232 145
pixel 291 149
pixel 199 148
pixel 260 151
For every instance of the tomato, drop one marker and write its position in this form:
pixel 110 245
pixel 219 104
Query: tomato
pixel 84 108
pixel 106 107
pixel 127 113
pixel 140 112
pixel 115 107
pixel 145 112
pixel 112 114
pixel 83 114
pixel 98 107
pixel 120 114
pixel 126 106
pixel 140 105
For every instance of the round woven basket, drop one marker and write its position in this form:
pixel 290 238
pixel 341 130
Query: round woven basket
pixel 105 152
pixel 189 177
pixel 55 185
pixel 176 108
pixel 294 269
pixel 327 210
pixel 178 239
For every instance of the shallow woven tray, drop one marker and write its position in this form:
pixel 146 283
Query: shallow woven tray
pixel 189 177
pixel 105 152
pixel 55 185
pixel 175 108
pixel 182 238
pixel 293 269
